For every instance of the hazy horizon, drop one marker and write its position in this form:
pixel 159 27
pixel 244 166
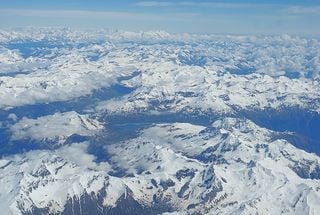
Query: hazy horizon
pixel 232 17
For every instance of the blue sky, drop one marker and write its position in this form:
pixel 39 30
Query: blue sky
pixel 201 16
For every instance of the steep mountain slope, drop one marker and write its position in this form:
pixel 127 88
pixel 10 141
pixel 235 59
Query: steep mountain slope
pixel 115 122
pixel 231 167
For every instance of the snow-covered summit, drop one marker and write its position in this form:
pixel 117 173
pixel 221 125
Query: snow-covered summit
pixel 59 127
pixel 115 122
pixel 231 167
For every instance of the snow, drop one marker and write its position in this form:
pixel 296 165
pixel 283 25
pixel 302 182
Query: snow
pixel 27 181
pixel 247 186
pixel 260 178
pixel 199 65
pixel 227 166
pixel 58 125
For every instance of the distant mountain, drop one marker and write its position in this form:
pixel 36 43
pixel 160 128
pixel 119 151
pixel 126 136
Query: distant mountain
pixel 115 122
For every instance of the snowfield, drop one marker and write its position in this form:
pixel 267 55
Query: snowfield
pixel 116 122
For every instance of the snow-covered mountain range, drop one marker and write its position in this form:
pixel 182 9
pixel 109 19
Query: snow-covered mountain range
pixel 115 122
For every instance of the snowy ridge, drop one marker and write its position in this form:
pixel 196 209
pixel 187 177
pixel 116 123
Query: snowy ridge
pixel 47 179
pixel 233 167
pixel 58 126
pixel 189 89
pixel 115 122
pixel 245 160
pixel 55 83
pixel 176 71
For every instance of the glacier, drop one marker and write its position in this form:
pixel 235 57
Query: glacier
pixel 116 122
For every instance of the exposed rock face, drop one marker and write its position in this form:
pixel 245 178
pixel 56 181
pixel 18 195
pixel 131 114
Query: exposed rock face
pixel 165 171
pixel 113 122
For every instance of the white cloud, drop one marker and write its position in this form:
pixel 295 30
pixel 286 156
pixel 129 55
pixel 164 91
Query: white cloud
pixel 91 14
pixel 12 117
pixel 75 13
pixel 67 77
pixel 198 4
pixel 77 153
pixel 155 4
pixel 59 125
pixel 302 10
